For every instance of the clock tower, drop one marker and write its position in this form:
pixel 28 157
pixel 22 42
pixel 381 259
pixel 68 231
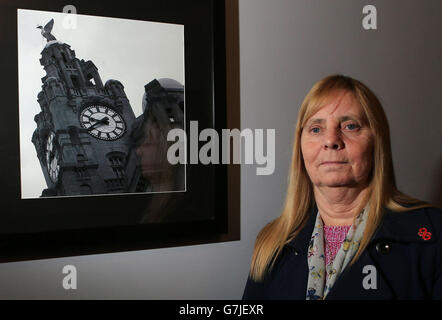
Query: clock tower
pixel 82 139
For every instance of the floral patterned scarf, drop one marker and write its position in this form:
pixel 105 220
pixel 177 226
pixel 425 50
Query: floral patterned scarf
pixel 318 285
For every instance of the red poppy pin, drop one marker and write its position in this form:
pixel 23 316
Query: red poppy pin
pixel 424 234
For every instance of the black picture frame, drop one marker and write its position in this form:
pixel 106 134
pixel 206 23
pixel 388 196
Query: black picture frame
pixel 28 230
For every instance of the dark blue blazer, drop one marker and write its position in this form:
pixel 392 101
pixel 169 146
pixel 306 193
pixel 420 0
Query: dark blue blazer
pixel 407 263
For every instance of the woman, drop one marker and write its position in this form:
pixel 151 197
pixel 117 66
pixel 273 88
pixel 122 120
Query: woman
pixel 345 231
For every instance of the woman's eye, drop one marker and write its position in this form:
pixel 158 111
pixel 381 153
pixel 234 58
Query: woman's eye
pixel 315 130
pixel 351 126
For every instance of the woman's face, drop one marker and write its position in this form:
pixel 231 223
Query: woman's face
pixel 337 143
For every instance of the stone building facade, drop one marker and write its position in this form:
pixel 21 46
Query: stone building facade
pixel 85 131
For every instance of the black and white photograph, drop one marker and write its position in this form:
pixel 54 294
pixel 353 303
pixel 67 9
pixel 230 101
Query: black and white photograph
pixel 91 94
pixel 96 101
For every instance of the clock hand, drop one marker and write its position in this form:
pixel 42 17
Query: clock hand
pixel 93 126
pixel 104 120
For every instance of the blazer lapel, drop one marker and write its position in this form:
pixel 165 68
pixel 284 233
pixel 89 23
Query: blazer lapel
pixel 400 227
pixel 301 241
pixel 298 249
pixel 363 280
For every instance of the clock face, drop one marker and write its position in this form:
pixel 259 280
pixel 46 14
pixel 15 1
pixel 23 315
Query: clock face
pixel 52 158
pixel 102 122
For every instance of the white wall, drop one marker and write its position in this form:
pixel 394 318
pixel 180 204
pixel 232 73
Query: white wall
pixel 286 46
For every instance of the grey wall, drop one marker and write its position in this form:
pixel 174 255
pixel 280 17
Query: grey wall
pixel 286 46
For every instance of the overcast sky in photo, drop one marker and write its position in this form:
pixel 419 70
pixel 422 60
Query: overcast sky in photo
pixel 130 51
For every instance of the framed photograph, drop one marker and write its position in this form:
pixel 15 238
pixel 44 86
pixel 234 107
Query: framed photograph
pixel 103 107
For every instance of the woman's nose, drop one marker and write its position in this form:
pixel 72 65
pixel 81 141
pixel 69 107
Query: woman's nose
pixel 333 140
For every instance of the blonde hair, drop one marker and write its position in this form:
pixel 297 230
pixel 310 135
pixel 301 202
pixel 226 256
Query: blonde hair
pixel 299 198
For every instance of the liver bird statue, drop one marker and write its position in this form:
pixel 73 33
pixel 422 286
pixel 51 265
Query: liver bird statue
pixel 46 30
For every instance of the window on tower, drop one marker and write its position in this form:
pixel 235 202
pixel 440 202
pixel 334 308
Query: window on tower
pixel 170 115
pixel 117 163
pixel 75 81
pixel 85 189
pixel 116 159
pixel 64 58
pixel 82 173
pixel 81 158
pixel 90 80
